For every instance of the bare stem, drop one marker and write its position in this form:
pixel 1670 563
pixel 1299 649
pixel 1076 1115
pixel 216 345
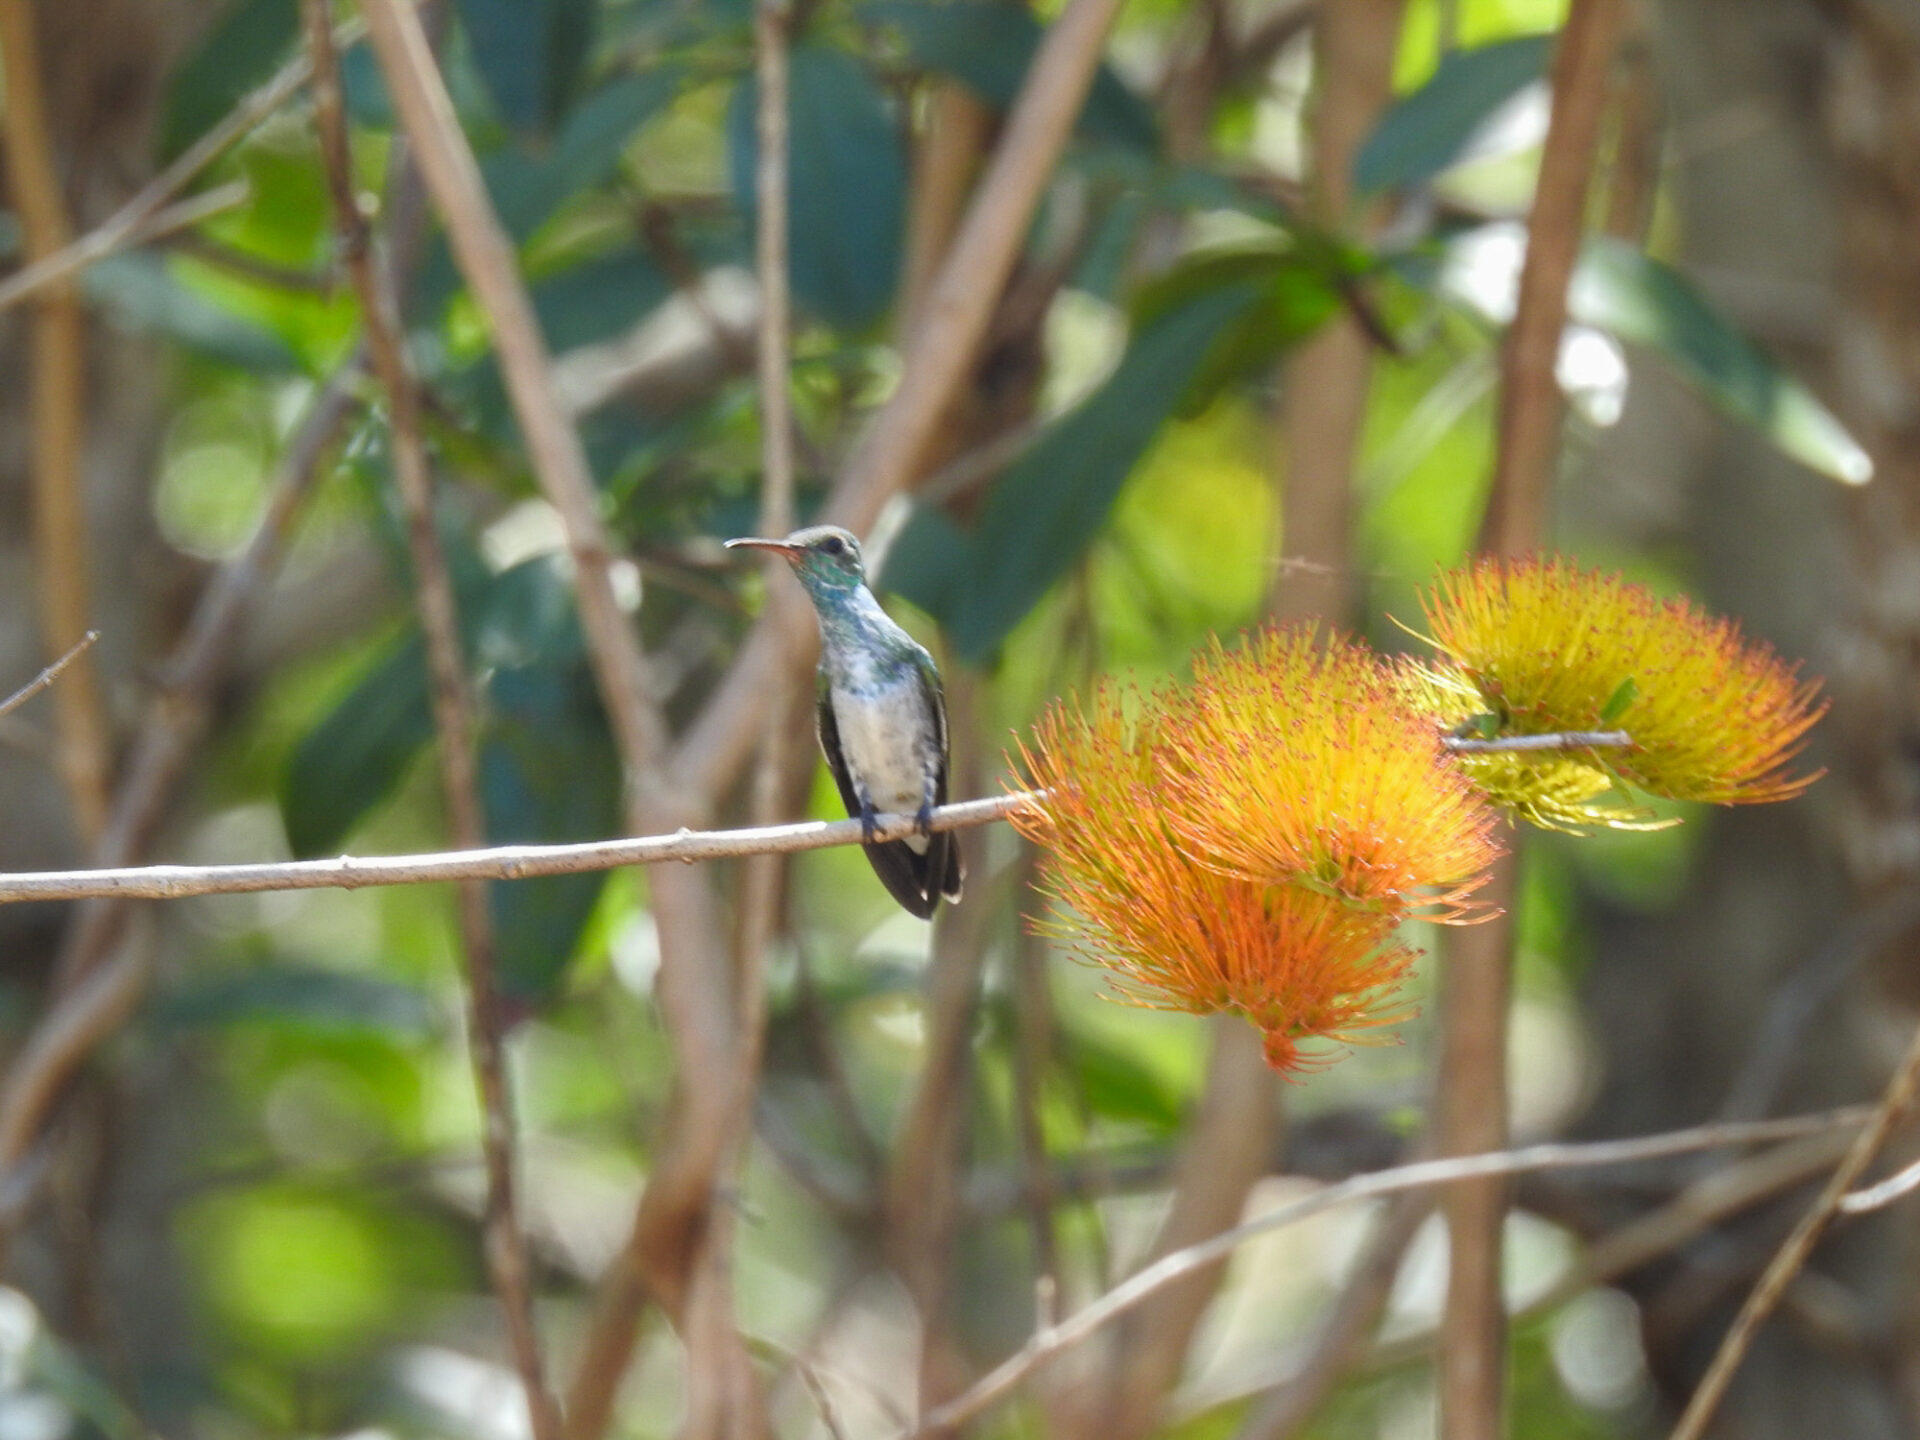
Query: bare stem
pixel 452 708
pixel 1046 1343
pixel 144 216
pixel 1471 1103
pixel 486 258
pixel 502 862
pixel 82 743
pixel 47 676
pixel 1895 1102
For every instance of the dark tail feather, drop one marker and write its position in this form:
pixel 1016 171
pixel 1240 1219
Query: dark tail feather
pixel 918 880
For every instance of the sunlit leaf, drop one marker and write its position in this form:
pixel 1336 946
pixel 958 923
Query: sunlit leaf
pixel 1619 289
pixel 356 756
pixel 1433 128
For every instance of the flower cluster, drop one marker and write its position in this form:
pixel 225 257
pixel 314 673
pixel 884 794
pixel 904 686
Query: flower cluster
pixel 1252 843
pixel 1539 646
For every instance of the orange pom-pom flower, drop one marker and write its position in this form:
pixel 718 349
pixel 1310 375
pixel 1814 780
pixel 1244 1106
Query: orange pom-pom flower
pixel 1252 846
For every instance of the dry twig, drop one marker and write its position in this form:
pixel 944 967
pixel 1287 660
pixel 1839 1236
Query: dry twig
pixel 1471 1100
pixel 1894 1104
pixel 61 566
pixel 1049 1342
pixel 452 708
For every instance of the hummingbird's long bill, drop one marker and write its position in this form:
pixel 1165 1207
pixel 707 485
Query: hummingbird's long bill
pixel 780 547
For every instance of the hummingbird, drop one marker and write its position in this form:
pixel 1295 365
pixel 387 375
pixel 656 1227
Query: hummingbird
pixel 881 716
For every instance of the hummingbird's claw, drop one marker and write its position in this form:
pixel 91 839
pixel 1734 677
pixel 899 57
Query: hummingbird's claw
pixel 868 815
pixel 924 817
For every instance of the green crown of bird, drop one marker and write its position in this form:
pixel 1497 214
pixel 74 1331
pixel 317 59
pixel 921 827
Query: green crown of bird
pixel 881 716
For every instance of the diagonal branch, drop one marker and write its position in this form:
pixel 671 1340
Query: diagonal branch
pixel 486 258
pixel 938 357
pixel 1895 1102
pixel 1054 1339
pixel 145 216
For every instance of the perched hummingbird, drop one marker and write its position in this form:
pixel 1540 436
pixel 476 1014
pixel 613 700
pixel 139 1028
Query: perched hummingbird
pixel 882 715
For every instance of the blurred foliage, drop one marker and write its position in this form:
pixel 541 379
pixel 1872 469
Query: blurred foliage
pixel 325 1219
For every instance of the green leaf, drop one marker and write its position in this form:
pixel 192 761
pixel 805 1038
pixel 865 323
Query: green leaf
pixel 243 49
pixel 598 298
pixel 548 775
pixel 1118 1086
pixel 927 563
pixel 139 291
pixel 1300 289
pixel 528 185
pixel 987 45
pixel 1634 297
pixel 1053 500
pixel 847 182
pixel 356 756
pixel 1624 695
pixel 530 53
pixel 1429 131
pixel 305 997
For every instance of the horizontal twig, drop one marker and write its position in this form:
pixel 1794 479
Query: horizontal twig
pixel 1560 740
pixel 503 862
pixel 526 862
pixel 1053 1339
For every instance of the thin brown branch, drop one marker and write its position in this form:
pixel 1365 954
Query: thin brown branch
pixel 107 240
pixel 144 216
pixel 453 718
pixel 939 356
pixel 1289 1405
pixel 47 676
pixel 1469 1115
pixel 82 741
pixel 1471 1098
pixel 723 1396
pixel 1528 437
pixel 500 862
pixel 1895 1102
pixel 1053 1340
pixel 486 259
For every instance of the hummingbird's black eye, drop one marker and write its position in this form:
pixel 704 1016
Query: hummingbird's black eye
pixel 834 545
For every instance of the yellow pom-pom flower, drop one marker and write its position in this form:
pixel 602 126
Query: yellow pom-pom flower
pixel 1540 645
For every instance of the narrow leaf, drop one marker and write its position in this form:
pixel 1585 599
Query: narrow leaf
pixel 1433 129
pixel 1619 289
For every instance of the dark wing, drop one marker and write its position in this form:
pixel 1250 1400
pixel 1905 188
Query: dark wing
pixel 907 875
pixel 943 850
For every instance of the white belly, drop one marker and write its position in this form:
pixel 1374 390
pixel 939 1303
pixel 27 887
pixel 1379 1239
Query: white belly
pixel 886 754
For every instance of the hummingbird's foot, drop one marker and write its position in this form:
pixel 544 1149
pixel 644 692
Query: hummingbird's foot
pixel 924 817
pixel 868 815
